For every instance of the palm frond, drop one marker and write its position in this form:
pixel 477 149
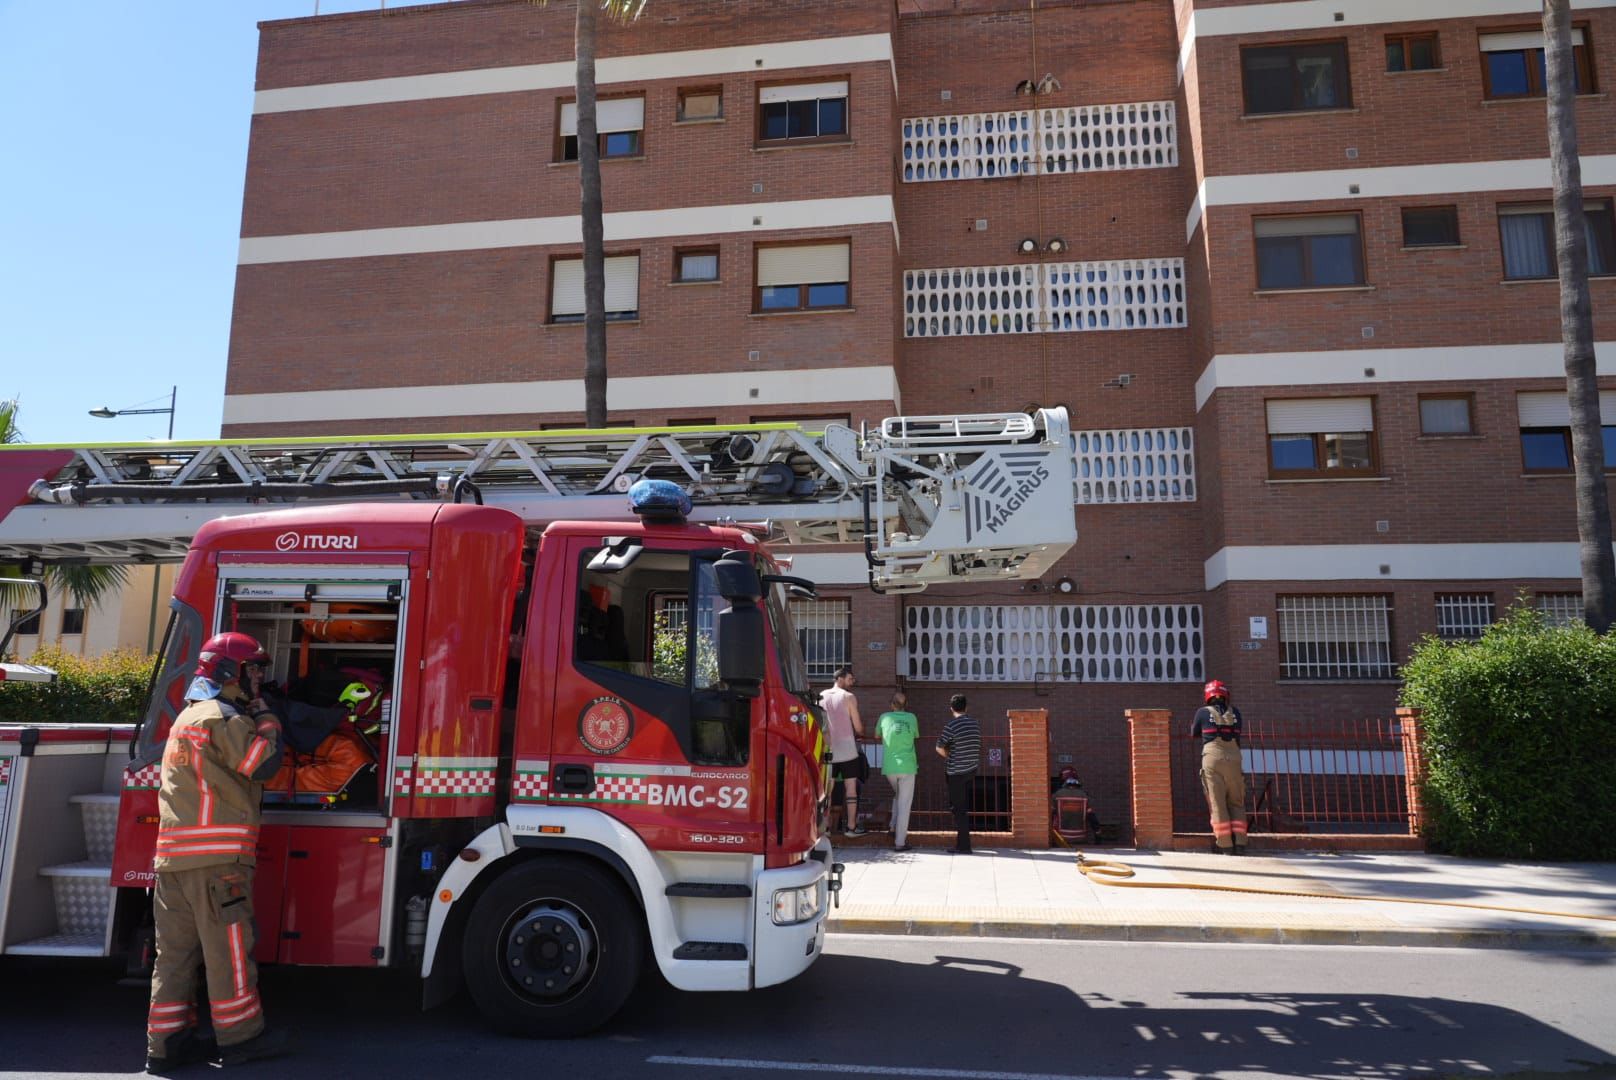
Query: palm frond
pixel 625 11
pixel 9 432
pixel 74 586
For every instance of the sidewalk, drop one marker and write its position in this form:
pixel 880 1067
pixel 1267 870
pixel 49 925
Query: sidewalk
pixel 1040 894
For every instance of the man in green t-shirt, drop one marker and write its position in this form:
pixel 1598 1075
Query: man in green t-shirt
pixel 898 730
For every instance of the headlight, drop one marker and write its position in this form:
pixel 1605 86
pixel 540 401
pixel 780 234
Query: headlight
pixel 796 905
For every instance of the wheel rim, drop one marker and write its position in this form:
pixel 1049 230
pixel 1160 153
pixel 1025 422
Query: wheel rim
pixel 548 951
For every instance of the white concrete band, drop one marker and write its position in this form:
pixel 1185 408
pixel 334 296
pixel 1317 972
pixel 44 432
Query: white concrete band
pixel 568 230
pixel 746 389
pixel 645 67
pixel 1334 14
pixel 1403 562
pixel 1393 181
pixel 1446 363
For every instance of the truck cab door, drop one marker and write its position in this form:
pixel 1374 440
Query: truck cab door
pixel 643 728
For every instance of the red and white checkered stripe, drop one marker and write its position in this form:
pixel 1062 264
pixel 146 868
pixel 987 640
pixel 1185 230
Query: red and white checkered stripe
pixel 5 771
pixel 403 779
pixel 149 777
pixel 616 789
pixel 461 782
pixel 529 785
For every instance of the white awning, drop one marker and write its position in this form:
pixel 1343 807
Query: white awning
pixel 1552 409
pixel 1308 416
pixel 802 92
pixel 611 114
pixel 805 264
pixel 1521 39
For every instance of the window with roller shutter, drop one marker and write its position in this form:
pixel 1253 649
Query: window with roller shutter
pixel 1321 438
pixel 803 112
pixel 622 289
pixel 1545 419
pixel 802 277
pixel 619 125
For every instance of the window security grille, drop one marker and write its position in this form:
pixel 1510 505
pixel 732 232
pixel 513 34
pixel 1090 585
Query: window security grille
pixel 1011 643
pixel 1463 616
pixel 1335 637
pixel 825 629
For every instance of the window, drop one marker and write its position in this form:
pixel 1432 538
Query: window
pixel 1512 64
pixel 701 103
pixel 692 421
pixel 1321 437
pixel 30 627
pixel 72 621
pixel 1316 252
pixel 1463 616
pixel 619 124
pixel 1446 414
pixel 802 111
pixel 825 632
pixel 1526 232
pixel 622 289
pixel 802 277
pixel 1296 78
pixel 1560 609
pixel 695 265
pixel 1431 226
pixel 1335 637
pixel 1545 420
pixel 1412 52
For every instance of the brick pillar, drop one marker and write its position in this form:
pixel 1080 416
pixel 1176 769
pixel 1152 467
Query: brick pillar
pixel 1029 777
pixel 1413 768
pixel 1148 739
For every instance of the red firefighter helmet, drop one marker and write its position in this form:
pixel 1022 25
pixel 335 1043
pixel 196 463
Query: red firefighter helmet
pixel 223 654
pixel 1215 689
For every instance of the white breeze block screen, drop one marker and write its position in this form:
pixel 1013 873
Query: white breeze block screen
pixel 1055 297
pixel 1082 138
pixel 1009 643
pixel 1134 465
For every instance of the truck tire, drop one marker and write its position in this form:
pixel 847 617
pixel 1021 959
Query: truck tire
pixel 553 948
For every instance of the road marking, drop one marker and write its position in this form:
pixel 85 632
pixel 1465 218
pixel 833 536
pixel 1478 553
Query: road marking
pixel 865 1070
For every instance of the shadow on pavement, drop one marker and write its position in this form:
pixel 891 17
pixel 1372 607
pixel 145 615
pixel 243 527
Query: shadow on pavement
pixel 945 1011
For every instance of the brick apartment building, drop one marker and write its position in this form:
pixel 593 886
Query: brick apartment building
pixel 1288 265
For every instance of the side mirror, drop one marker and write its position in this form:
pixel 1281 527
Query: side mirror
pixel 740 647
pixel 736 578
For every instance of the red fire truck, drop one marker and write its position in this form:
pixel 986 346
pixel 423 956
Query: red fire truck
pixel 591 739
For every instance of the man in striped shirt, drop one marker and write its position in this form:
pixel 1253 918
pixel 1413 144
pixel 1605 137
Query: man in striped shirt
pixel 961 746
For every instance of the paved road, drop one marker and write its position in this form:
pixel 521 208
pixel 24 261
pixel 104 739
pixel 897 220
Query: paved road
pixel 980 1009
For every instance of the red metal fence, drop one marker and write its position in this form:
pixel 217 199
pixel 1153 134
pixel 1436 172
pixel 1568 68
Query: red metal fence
pixel 1305 776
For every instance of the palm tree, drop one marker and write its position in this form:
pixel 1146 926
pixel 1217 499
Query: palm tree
pixel 594 227
pixel 1576 322
pixel 87 585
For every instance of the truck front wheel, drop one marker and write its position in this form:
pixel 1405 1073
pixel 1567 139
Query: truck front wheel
pixel 553 949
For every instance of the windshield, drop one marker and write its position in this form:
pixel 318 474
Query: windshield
pixel 786 644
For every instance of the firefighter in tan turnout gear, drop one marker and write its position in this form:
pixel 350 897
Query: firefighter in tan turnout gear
pixel 1223 776
pixel 222 747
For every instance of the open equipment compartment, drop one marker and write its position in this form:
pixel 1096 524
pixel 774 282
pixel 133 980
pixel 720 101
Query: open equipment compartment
pixel 334 637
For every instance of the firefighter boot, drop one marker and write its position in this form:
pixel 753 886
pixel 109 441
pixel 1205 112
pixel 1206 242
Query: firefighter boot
pixel 271 1042
pixel 184 1048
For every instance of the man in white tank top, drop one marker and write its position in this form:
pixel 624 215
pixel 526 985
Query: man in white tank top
pixel 842 720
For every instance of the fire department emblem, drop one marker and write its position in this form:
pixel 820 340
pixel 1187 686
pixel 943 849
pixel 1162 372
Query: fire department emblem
pixel 606 725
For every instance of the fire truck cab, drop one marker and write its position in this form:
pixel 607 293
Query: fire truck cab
pixel 594 741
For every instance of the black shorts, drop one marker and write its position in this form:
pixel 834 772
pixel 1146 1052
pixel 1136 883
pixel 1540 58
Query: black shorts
pixel 854 768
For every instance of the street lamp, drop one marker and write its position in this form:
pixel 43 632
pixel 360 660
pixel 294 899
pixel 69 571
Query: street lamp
pixel 104 413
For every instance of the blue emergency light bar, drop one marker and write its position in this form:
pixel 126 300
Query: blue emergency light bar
pixel 659 500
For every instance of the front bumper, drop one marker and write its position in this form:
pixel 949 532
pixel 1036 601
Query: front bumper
pixel 784 952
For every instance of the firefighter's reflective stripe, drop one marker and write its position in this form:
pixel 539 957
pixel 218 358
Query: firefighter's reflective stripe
pixel 169 1017
pixel 257 751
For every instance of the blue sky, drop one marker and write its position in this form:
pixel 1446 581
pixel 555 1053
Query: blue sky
pixel 123 144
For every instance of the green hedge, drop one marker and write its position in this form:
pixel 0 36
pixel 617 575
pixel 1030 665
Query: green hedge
pixel 1520 740
pixel 108 689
